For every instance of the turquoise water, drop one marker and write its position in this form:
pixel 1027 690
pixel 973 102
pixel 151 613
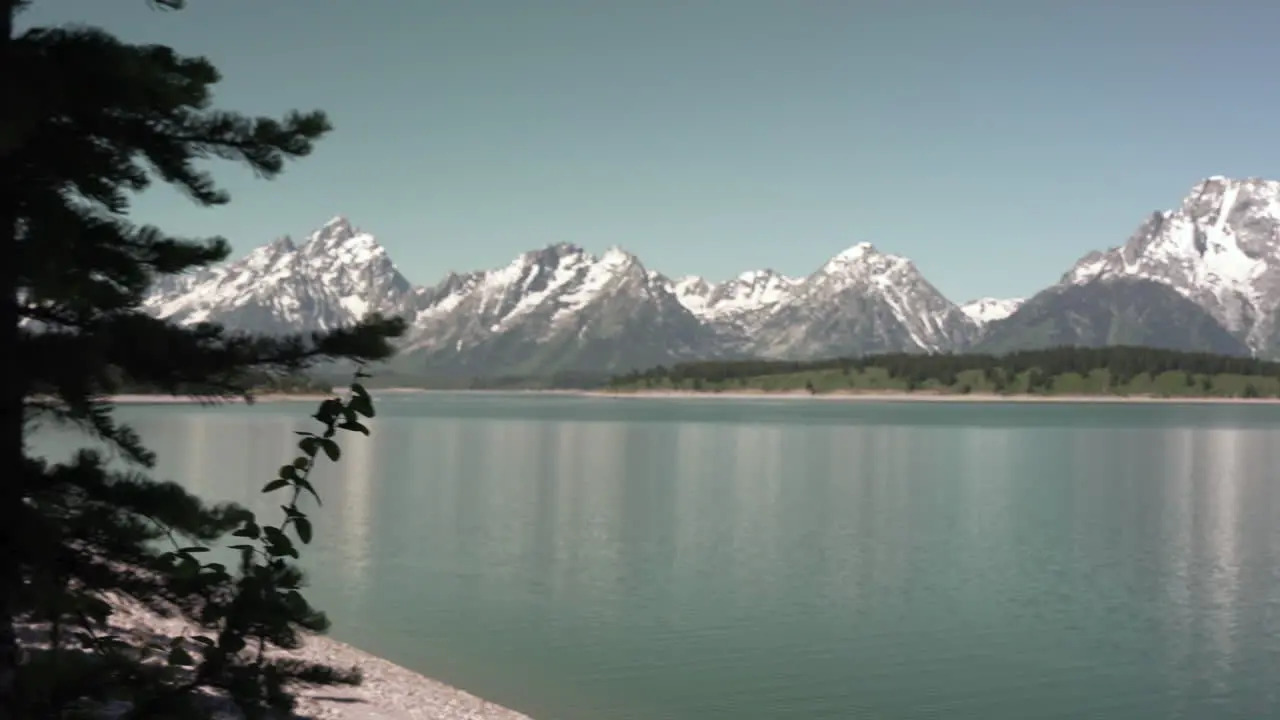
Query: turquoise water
pixel 637 559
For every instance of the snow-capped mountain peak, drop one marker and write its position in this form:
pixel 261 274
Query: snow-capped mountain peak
pixel 888 300
pixel 615 256
pixel 274 254
pixel 552 284
pixel 855 252
pixel 560 295
pixel 860 257
pixel 1219 248
pixel 341 242
pixel 334 278
pixel 282 244
pixel 864 264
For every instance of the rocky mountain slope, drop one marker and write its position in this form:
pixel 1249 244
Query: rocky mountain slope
pixel 860 301
pixel 1219 250
pixel 1123 311
pixel 1205 275
pixel 334 278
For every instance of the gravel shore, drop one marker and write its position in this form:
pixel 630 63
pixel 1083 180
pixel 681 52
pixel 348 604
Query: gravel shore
pixel 389 692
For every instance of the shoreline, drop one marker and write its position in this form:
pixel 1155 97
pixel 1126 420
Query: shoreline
pixel 146 399
pixel 882 396
pixel 925 397
pixel 387 692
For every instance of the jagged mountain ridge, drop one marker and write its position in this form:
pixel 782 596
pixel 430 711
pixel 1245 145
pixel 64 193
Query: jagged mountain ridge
pixel 558 308
pixel 563 308
pixel 1220 248
pixel 334 278
pixel 859 300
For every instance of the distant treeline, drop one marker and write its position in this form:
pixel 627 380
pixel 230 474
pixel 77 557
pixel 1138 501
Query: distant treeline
pixel 1122 362
pixel 256 381
pixel 566 380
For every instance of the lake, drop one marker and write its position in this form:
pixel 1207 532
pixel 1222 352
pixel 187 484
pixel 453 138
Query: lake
pixel 585 558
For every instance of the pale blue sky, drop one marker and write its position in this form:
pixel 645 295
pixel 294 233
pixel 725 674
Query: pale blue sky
pixel 992 141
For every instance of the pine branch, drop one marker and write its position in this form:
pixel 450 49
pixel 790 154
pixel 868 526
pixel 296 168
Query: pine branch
pixel 93 122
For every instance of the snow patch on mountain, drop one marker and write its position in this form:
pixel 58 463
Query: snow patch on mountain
pixel 987 310
pixel 734 300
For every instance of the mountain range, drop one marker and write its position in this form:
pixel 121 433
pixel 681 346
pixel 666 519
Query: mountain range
pixel 1204 276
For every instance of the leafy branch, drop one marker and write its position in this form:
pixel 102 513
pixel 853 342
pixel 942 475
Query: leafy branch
pixel 262 607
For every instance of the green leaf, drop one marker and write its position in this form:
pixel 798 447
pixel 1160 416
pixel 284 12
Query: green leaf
pixel 275 485
pixel 193 549
pixel 363 405
pixel 280 544
pixel 331 449
pixel 329 410
pixel 359 390
pixel 306 485
pixel 240 547
pixel 354 426
pixel 250 530
pixel 309 445
pixel 303 526
pixel 301 463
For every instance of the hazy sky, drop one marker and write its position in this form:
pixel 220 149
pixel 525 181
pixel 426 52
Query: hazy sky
pixel 991 141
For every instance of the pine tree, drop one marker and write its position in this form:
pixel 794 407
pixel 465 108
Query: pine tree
pixel 89 120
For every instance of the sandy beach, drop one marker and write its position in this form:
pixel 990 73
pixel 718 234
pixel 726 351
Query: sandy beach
pixel 927 397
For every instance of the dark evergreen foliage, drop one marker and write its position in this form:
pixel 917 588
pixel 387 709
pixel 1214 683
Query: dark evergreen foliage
pixel 1123 362
pixel 88 121
pixel 564 380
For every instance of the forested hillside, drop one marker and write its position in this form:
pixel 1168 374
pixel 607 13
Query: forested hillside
pixel 1118 370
